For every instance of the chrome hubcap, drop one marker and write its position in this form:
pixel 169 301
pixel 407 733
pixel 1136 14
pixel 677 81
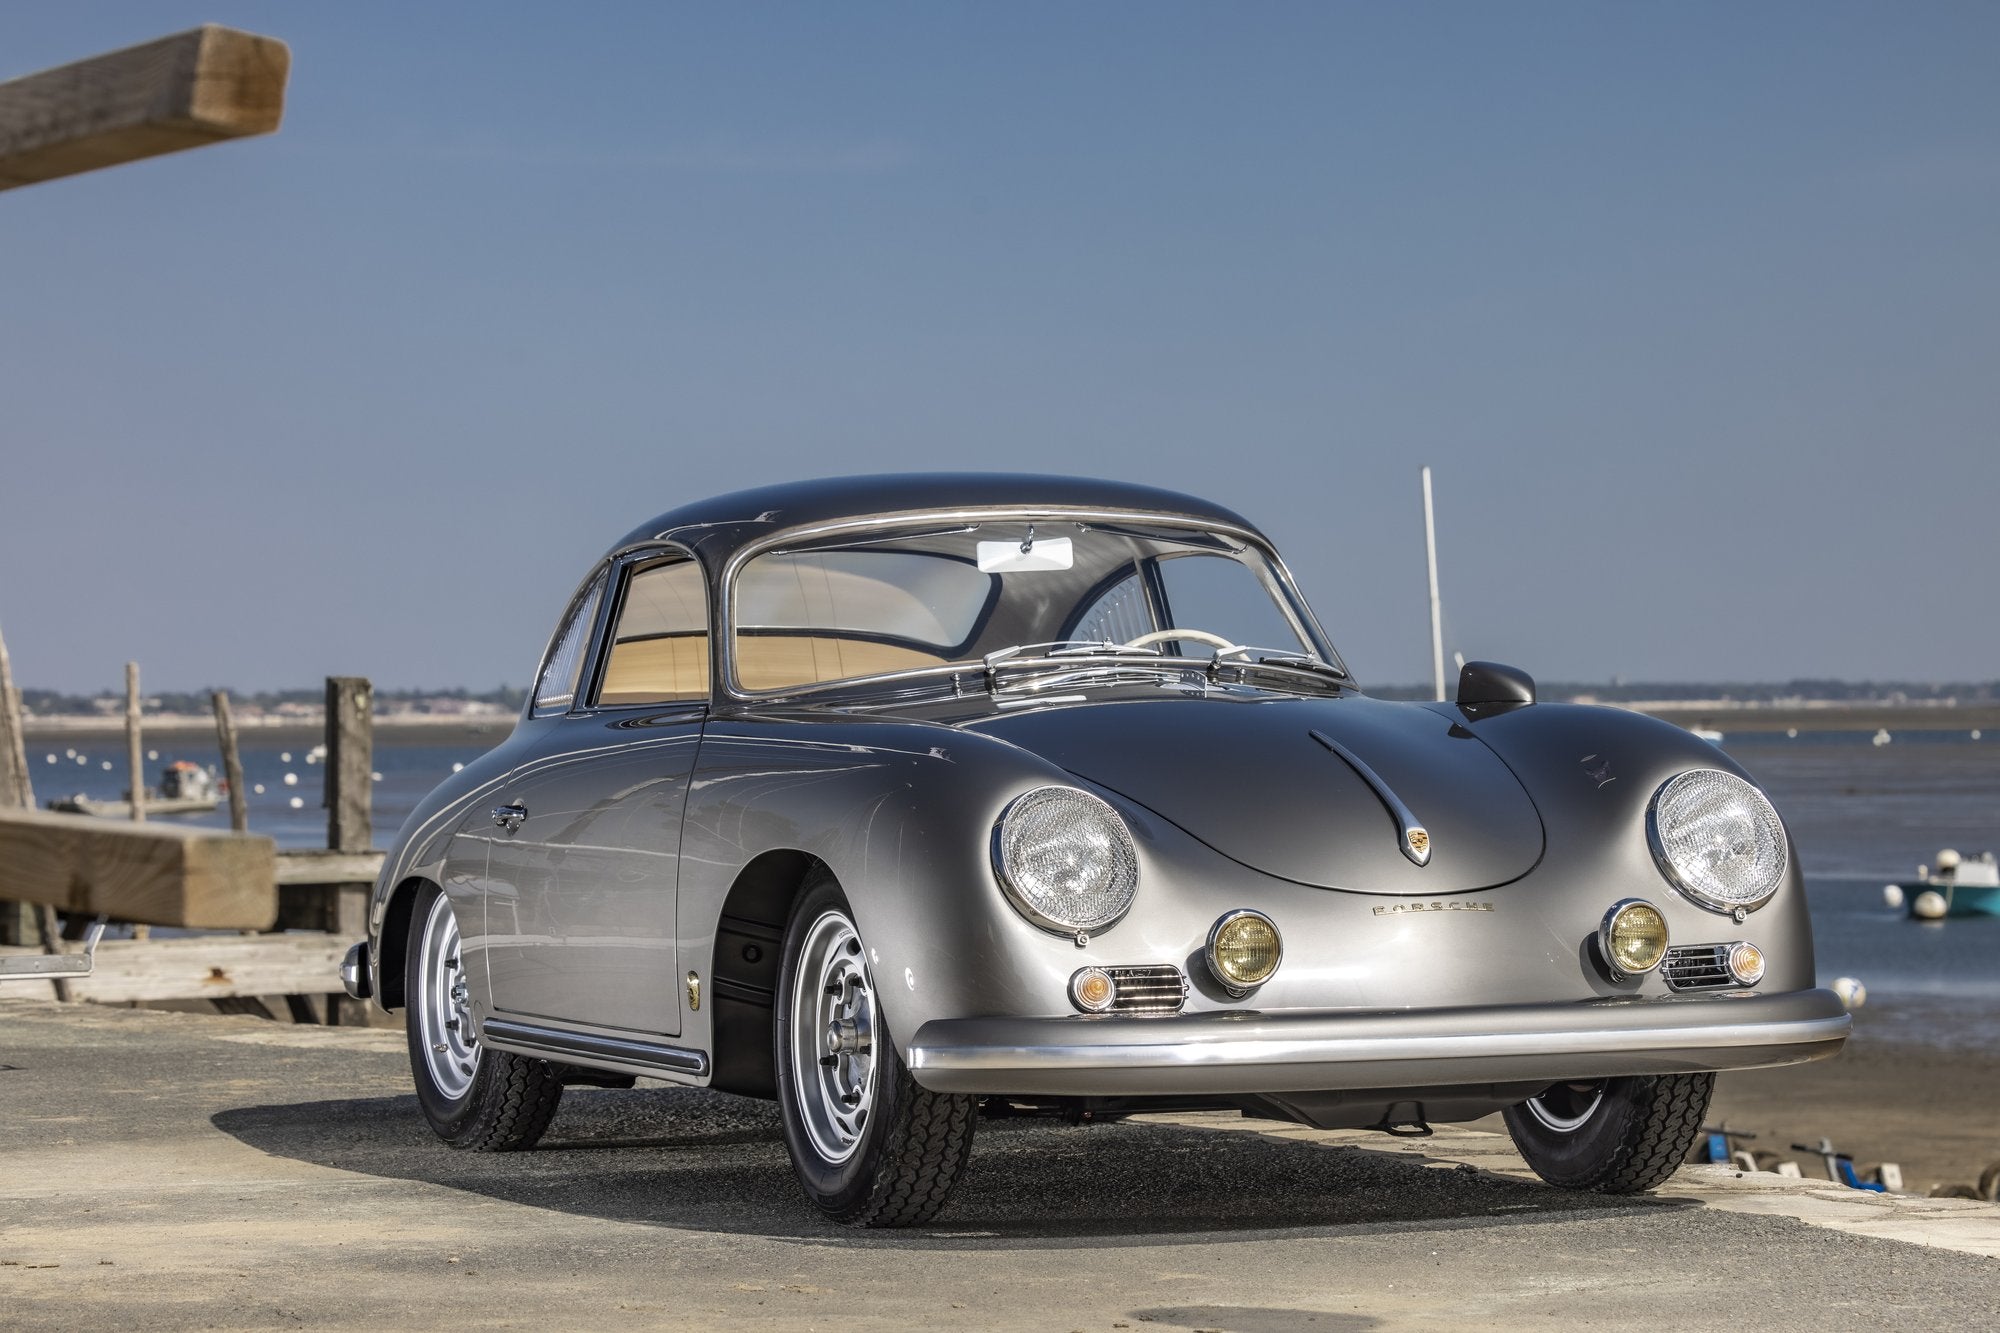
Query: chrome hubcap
pixel 443 1008
pixel 833 1037
pixel 1567 1107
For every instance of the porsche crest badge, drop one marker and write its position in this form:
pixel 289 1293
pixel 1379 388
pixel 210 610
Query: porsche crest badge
pixel 1418 841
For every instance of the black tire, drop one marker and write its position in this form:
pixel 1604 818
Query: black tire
pixel 1618 1136
pixel 896 1167
pixel 507 1100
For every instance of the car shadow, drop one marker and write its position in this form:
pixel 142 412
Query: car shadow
pixel 688 1158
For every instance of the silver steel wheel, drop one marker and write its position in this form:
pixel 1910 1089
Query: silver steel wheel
pixel 443 1005
pixel 832 1037
pixel 1567 1107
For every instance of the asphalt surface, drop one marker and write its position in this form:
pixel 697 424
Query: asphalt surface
pixel 167 1171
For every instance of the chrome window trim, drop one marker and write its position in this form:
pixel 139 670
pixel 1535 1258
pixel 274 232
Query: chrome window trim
pixel 622 568
pixel 535 708
pixel 723 631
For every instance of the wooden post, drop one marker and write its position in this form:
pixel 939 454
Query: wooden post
pixel 18 921
pixel 350 753
pixel 193 88
pixel 135 749
pixel 232 762
pixel 350 757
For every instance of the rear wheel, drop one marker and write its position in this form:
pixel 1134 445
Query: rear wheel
pixel 870 1147
pixel 487 1101
pixel 1614 1135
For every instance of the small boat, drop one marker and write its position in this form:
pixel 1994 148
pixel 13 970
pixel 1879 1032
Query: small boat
pixel 1956 886
pixel 1709 734
pixel 185 789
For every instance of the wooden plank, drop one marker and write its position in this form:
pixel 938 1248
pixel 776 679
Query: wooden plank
pixel 350 755
pixel 194 88
pixel 328 867
pixel 198 878
pixel 210 967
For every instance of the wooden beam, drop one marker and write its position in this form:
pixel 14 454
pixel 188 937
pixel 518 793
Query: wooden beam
pixel 210 967
pixel 152 873
pixel 312 866
pixel 193 88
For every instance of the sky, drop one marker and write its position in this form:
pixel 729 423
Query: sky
pixel 1693 309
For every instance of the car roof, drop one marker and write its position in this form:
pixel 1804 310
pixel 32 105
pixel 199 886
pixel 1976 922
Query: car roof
pixel 716 528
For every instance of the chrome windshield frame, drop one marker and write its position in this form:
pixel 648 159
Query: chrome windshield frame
pixel 723 642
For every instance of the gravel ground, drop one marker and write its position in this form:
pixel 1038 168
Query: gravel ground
pixel 174 1171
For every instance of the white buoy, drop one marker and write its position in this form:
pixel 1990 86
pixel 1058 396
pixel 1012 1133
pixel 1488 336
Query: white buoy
pixel 1881 737
pixel 1892 895
pixel 298 802
pixel 374 777
pixel 284 756
pixel 1948 860
pixel 291 779
pixel 1851 992
pixel 107 765
pixel 312 758
pixel 1929 906
pixel 52 759
pixel 82 758
pixel 152 756
pixel 69 754
pixel 259 789
pixel 458 768
pixel 1975 733
pixel 1791 733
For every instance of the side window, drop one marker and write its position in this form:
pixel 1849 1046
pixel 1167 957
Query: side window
pixel 659 647
pixel 557 686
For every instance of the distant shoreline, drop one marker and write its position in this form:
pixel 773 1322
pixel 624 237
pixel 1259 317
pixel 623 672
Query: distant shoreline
pixel 411 727
pixel 1725 716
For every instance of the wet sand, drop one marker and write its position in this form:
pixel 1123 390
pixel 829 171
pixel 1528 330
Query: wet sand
pixel 1890 1096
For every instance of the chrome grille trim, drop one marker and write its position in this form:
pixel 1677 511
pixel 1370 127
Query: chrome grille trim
pixel 1697 967
pixel 1154 989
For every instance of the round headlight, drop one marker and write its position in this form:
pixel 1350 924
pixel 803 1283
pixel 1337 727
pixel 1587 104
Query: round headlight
pixel 1066 859
pixel 1633 937
pixel 1244 950
pixel 1718 840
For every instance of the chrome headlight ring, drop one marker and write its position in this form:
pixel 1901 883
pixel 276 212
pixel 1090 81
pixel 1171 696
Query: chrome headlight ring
pixel 1066 860
pixel 1718 841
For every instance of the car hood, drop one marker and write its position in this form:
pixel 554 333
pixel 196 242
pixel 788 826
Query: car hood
pixel 1250 779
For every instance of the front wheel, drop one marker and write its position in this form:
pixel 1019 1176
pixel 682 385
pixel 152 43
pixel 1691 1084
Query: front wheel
pixel 870 1147
pixel 1614 1135
pixel 486 1101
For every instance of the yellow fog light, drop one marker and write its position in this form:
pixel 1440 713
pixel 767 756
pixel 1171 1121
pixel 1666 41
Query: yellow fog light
pixel 1746 963
pixel 1633 937
pixel 1092 990
pixel 1244 950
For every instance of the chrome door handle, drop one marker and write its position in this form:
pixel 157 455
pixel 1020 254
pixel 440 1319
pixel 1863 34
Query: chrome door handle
pixel 509 817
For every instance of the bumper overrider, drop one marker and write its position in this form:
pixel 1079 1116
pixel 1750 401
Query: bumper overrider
pixel 355 973
pixel 1329 1050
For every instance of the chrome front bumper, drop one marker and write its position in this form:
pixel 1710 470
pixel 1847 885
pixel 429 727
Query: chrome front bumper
pixel 1328 1050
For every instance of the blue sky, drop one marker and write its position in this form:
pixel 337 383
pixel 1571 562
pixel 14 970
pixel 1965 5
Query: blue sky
pixel 1694 309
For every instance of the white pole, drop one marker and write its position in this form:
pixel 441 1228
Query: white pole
pixel 1437 622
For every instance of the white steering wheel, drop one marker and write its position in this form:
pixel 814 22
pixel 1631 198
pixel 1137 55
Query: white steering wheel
pixel 1167 635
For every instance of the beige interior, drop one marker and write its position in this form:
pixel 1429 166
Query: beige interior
pixel 647 671
pixel 671 669
pixel 779 661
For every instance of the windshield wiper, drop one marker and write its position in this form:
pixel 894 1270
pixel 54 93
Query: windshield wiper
pixel 1065 648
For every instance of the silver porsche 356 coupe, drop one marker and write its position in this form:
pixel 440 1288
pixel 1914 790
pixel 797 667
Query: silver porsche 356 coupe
pixel 904 799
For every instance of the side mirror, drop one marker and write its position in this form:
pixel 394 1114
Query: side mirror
pixel 1490 684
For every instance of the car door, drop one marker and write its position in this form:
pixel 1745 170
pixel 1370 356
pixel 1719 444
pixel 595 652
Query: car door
pixel 584 871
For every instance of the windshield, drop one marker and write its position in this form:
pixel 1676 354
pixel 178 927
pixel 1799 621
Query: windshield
pixel 911 598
